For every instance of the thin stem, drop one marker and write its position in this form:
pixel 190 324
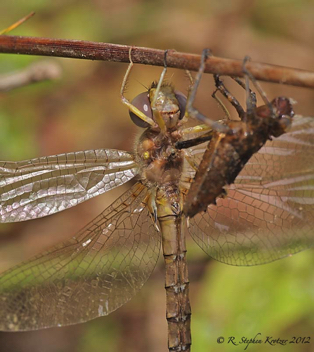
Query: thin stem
pixel 36 72
pixel 18 23
pixel 120 53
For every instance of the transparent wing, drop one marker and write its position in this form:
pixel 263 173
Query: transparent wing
pixel 269 211
pixel 88 276
pixel 34 188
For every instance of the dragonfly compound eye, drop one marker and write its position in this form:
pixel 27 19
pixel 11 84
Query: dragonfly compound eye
pixel 182 103
pixel 142 103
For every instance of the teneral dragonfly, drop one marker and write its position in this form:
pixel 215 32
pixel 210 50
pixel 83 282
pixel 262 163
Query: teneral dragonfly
pixel 267 214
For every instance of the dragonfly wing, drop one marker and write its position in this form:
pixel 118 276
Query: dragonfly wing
pixel 269 212
pixel 34 188
pixel 88 276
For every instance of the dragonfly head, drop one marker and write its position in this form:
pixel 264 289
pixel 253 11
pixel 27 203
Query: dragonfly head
pixel 169 106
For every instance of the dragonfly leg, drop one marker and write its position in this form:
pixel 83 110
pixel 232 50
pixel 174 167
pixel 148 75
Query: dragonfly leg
pixel 186 115
pixel 190 110
pixel 224 91
pixel 252 94
pixel 206 137
pixel 249 76
pixel 195 130
pixel 125 101
pixel 157 116
pixel 152 206
pixel 205 134
pixel 221 104
pixel 188 73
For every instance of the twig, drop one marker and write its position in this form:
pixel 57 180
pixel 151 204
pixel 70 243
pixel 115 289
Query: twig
pixel 18 23
pixel 120 53
pixel 38 71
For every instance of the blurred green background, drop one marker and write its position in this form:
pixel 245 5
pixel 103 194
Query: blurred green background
pixel 82 110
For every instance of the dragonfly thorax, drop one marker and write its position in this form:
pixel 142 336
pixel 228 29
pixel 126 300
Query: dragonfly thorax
pixel 161 163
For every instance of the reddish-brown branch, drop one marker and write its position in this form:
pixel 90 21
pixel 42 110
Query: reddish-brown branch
pixel 120 53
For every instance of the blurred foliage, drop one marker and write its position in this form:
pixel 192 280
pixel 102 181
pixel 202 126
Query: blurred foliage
pixel 274 300
pixel 83 111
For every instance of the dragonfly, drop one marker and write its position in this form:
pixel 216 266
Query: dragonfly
pixel 266 214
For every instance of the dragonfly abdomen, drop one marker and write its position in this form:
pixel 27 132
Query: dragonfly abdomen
pixel 178 312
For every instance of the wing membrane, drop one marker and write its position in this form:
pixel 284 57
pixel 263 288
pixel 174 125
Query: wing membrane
pixel 88 276
pixel 269 211
pixel 34 188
